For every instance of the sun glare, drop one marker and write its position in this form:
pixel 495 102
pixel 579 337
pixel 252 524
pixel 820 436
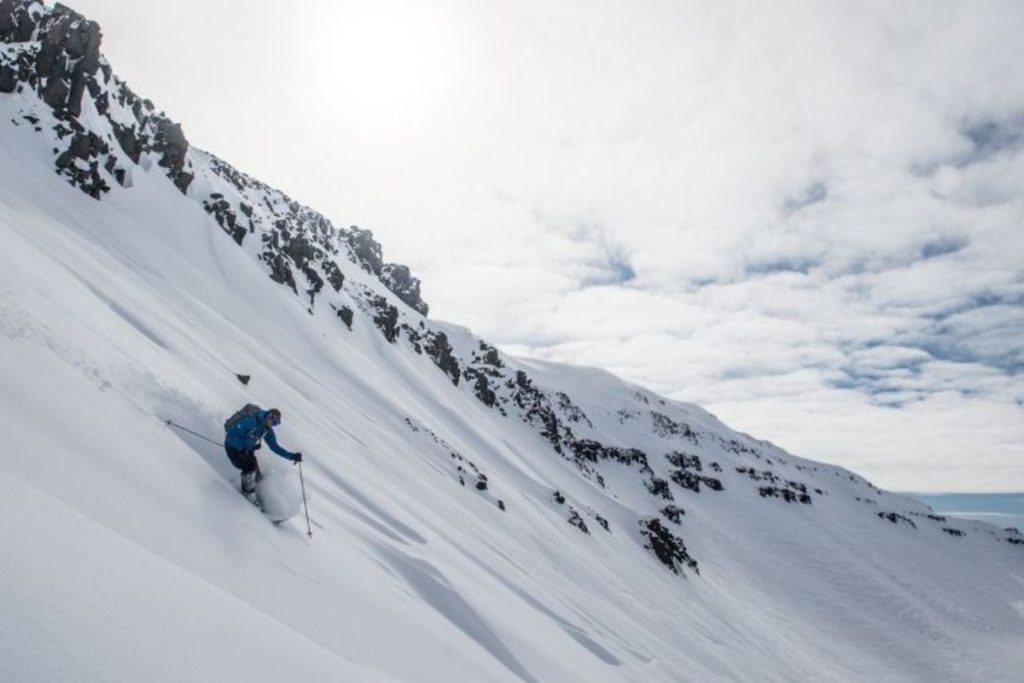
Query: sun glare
pixel 385 67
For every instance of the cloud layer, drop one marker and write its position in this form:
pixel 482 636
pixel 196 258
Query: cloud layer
pixel 806 216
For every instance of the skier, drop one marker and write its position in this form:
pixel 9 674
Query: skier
pixel 242 435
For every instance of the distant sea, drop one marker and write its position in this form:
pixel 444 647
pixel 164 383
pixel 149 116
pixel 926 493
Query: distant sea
pixel 1001 509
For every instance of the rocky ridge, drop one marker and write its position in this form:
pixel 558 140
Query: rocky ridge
pixel 103 133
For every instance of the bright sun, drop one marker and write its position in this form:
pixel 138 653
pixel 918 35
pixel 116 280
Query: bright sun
pixel 383 66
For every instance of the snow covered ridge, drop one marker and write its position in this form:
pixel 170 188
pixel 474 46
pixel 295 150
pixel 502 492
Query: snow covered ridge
pixel 102 132
pixel 476 517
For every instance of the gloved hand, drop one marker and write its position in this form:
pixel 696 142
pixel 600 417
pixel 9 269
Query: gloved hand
pixel 296 457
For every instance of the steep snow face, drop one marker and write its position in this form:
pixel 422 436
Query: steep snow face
pixel 475 516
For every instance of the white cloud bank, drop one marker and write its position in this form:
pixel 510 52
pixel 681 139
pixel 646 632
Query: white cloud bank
pixel 807 216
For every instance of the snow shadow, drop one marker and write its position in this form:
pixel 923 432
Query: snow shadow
pixel 380 520
pixel 434 589
pixel 574 631
pixel 571 629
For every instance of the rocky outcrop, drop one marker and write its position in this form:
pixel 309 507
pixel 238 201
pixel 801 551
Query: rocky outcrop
pixel 666 546
pixel 385 317
pixel 776 487
pixel 440 351
pixel 56 54
pixel 673 513
pixel 400 280
pixel 365 250
pixel 576 520
pixel 659 488
pixel 896 518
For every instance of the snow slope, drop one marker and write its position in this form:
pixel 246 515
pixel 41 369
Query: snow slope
pixel 126 552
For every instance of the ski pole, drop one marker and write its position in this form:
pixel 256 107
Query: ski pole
pixel 302 482
pixel 169 423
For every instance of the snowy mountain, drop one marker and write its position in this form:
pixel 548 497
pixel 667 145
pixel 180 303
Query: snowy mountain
pixel 476 517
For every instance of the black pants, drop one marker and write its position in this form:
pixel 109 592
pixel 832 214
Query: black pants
pixel 244 460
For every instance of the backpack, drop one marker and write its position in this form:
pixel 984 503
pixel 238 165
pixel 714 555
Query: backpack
pixel 248 410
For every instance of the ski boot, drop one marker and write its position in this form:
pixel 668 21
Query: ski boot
pixel 249 489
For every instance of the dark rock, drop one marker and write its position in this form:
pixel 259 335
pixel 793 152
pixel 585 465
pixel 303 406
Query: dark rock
pixel 716 485
pixel 365 250
pixel 501 505
pixel 334 274
pixel 244 379
pixel 8 25
pixel 594 451
pixel 400 280
pixel 667 547
pixel 280 270
pixel 170 142
pixel 55 94
pixel 602 521
pixel 300 250
pixel 952 532
pixel 659 487
pixel 571 411
pixel 537 410
pixel 316 283
pixel 577 521
pixel 24 25
pixel 385 318
pixel 688 480
pixel 414 337
pixel 896 518
pixel 481 386
pixel 684 461
pixel 440 351
pixel 559 498
pixel 666 427
pixel 345 313
pixel 673 513
pixel 126 137
pixel 8 79
pixel 489 356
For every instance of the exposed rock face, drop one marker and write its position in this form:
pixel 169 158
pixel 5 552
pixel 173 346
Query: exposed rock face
pixel 659 487
pixel 399 280
pixel 666 546
pixel 896 518
pixel 685 472
pixel 345 314
pixel 440 351
pixel 55 53
pixel 673 513
pixel 385 317
pixel 366 251
pixel 577 521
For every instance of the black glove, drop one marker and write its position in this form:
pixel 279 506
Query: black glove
pixel 296 457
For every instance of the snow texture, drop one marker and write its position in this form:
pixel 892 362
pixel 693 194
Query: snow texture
pixel 476 517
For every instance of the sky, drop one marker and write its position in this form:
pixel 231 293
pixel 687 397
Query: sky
pixel 807 217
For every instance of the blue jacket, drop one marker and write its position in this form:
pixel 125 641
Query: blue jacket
pixel 247 433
